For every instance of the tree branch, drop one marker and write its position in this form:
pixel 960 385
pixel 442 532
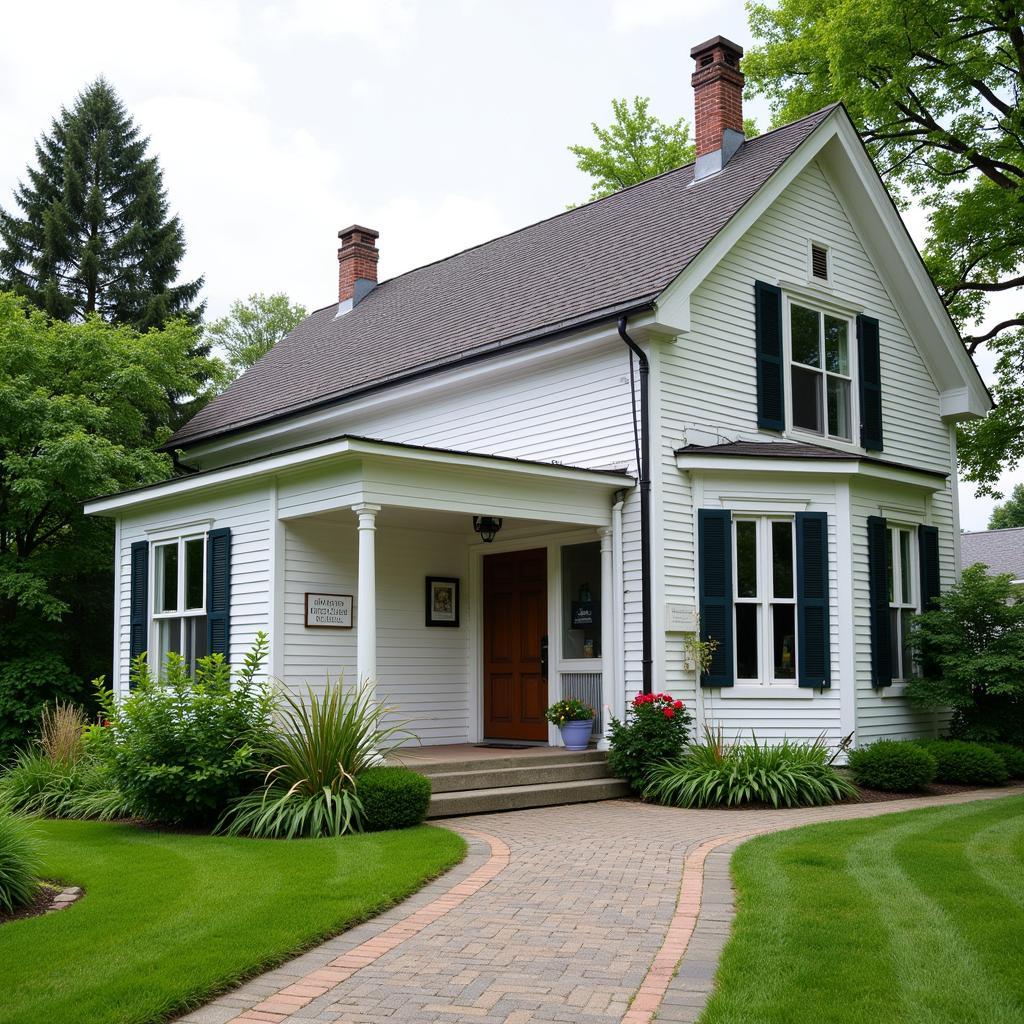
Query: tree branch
pixel 974 342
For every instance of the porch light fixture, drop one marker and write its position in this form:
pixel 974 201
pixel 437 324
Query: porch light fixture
pixel 487 527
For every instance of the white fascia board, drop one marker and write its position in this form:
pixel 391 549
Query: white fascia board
pixel 837 147
pixel 265 438
pixel 835 468
pixel 348 447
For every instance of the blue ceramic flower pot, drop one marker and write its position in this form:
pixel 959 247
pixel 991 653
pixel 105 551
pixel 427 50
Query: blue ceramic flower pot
pixel 576 735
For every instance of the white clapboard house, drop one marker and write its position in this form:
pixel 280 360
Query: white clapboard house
pixel 724 399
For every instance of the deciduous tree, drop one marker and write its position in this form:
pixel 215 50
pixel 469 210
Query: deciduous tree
pixel 253 327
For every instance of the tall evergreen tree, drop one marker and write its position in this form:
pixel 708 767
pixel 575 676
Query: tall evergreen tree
pixel 94 234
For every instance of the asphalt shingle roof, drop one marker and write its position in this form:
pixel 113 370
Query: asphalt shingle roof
pixel 1001 550
pixel 599 259
pixel 769 449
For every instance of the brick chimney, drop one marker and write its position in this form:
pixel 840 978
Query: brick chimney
pixel 357 265
pixel 718 103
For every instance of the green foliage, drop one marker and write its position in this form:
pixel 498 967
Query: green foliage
pixel 636 146
pixel 571 710
pixel 185 748
pixel 94 233
pixel 392 797
pixel 253 327
pixel 1010 513
pixel 966 763
pixel 19 860
pixel 656 729
pixel 932 87
pixel 892 765
pixel 1012 757
pixel 973 647
pixel 83 408
pixel 719 774
pixel 310 765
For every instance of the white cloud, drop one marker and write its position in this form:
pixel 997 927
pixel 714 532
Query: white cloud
pixel 629 15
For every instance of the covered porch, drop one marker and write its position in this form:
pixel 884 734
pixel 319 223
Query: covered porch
pixel 468 638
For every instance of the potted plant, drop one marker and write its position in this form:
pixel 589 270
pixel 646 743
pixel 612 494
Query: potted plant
pixel 575 721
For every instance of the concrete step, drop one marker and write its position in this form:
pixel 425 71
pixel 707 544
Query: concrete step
pixel 523 774
pixel 515 798
pixel 542 756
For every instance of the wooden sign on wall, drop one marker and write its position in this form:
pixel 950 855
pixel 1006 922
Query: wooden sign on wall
pixel 328 611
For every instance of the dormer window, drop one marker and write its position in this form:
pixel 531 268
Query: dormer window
pixel 820 262
pixel 821 376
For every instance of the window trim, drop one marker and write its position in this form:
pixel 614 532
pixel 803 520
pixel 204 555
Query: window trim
pixel 894 528
pixel 185 615
pixel 823 309
pixel 764 601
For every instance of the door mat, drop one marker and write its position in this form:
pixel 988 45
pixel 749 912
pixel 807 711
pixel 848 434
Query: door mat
pixel 504 746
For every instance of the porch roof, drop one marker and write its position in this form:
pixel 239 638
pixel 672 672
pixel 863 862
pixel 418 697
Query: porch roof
pixel 349 449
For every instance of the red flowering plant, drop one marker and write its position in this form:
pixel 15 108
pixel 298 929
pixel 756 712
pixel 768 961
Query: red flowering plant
pixel 657 728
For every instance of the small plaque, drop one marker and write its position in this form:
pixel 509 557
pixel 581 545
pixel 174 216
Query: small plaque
pixel 680 618
pixel 328 611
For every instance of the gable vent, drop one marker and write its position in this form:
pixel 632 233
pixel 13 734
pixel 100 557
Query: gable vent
pixel 819 262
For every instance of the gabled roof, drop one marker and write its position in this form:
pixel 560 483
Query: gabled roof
pixel 610 256
pixel 1000 550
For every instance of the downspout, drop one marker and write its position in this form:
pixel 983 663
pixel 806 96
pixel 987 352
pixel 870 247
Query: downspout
pixel 642 442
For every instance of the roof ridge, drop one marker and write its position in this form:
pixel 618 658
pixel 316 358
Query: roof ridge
pixel 996 529
pixel 593 202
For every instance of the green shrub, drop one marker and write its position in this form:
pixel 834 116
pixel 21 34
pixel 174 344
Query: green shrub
pixel 183 748
pixel 966 763
pixel 718 774
pixel 392 797
pixel 1013 758
pixel 656 729
pixel 971 649
pixel 19 860
pixel 310 764
pixel 892 765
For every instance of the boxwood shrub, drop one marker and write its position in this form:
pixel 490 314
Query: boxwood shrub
pixel 392 797
pixel 966 763
pixel 892 765
pixel 1013 758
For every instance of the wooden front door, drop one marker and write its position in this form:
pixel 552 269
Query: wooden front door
pixel 515 638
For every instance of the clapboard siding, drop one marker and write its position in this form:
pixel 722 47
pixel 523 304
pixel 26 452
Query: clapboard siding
pixel 423 671
pixel 708 394
pixel 247 513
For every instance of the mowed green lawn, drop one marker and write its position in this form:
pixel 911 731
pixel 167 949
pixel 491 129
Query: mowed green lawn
pixel 914 917
pixel 168 920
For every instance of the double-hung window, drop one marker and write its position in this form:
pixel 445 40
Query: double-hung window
pixel 179 599
pixel 821 372
pixel 765 599
pixel 903 600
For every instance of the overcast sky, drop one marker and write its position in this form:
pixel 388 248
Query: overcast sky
pixel 441 124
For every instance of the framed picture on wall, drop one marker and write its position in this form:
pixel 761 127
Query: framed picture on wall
pixel 442 601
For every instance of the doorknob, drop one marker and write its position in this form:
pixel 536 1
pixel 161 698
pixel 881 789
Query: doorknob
pixel 544 657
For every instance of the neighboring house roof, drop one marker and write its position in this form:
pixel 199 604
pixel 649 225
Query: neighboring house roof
pixel 1000 550
pixel 596 261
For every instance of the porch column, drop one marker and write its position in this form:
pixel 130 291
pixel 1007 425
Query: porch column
pixel 609 659
pixel 366 623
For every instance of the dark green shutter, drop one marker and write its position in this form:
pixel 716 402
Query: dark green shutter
pixel 218 592
pixel 931 585
pixel 814 660
pixel 771 390
pixel 138 628
pixel 714 543
pixel 870 360
pixel 879 554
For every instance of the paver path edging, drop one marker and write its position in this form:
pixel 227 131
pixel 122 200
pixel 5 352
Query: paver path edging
pixel 557 914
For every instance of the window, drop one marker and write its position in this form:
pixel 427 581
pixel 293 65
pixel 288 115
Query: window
pixel 819 262
pixel 902 598
pixel 765 601
pixel 581 596
pixel 179 599
pixel 820 371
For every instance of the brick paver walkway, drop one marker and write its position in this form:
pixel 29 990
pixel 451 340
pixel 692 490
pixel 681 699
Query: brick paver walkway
pixel 578 914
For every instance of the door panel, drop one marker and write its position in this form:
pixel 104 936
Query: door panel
pixel 515 623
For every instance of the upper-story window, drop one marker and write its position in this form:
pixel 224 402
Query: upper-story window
pixel 903 599
pixel 179 599
pixel 821 372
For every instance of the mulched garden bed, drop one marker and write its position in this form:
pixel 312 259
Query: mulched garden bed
pixel 873 796
pixel 40 904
